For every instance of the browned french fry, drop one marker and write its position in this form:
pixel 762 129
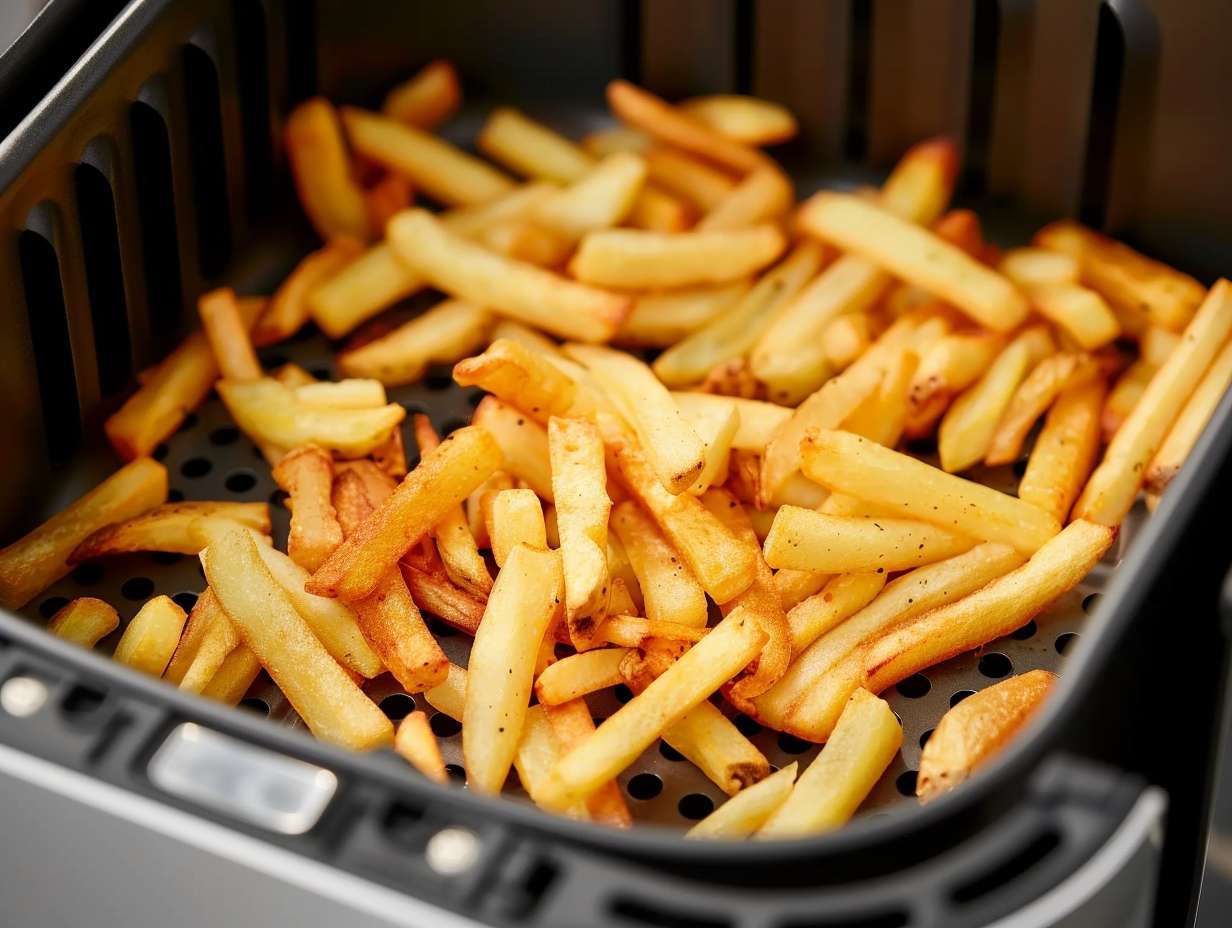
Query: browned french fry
pixel 330 195
pixel 1047 380
pixel 1192 419
pixel 1065 450
pixel 386 198
pixel 574 676
pixel 41 557
pixel 427 99
pixel 434 593
pixel 839 598
pixel 671 592
pixel 795 586
pixel 970 733
pixel 167 528
pixel 416 743
pixel 572 725
pixel 288 307
pixel 151 636
pixel 307 474
pixel 630 631
pixel 953 363
pixel 204 613
pixel 687 177
pixel 218 641
pixel 1113 487
pixel 523 443
pixel 520 377
pixel 84 621
pixel 762 196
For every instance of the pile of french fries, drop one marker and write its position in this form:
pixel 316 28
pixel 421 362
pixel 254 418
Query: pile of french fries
pixel 597 509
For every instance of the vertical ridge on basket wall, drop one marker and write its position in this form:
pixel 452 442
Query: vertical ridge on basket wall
pixel 1009 94
pixel 252 64
pixel 689 47
pixel 222 80
pixel 208 157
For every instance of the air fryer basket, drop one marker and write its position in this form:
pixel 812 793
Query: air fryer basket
pixel 154 171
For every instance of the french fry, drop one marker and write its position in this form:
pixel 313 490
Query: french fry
pixel 434 593
pixel 1080 311
pixel 620 601
pixel 836 600
pixel 537 756
pixel 953 363
pixel 353 393
pixel 1189 424
pixel 621 738
pixel 847 337
pixel 671 125
pixel 427 99
pixel 630 631
pixel 386 198
pixel 733 333
pixel 579 486
pixel 41 557
pixel 749 809
pixel 750 120
pixel 572 725
pixel 1065 450
pixel 524 600
pixel 853 465
pixel 635 258
pixel 599 199
pixel 718 560
pixel 711 742
pixel 307 474
pixel 329 194
pixel 443 172
pixel 512 288
pixel 1124 396
pixel 915 255
pixel 882 416
pixel 864 743
pixel 520 377
pixel 622 573
pixel 662 318
pixel 530 149
pixel 329 701
pixel 201 619
pixel 441 481
pixel 1033 268
pixel 228 335
pixel 716 427
pixel 972 732
pixel 234 677
pixel 443 334
pixel 218 641
pixel 1111 490
pixel 357 292
pixel 618 138
pixel 151 636
pixel 84 621
pixel 795 586
pixel 763 195
pixel 526 241
pixel 523 445
pixel 758 419
pixel 670 591
pixel 687 177
pixel 270 413
pixel 479 502
pixel 516 518
pixel 389 457
pixel 167 527
pixel 288 307
pixel 970 424
pixel 417 745
pixel 1047 380
pixel 574 676
pixel 1124 277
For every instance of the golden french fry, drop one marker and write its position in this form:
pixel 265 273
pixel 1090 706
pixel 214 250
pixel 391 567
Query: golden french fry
pixel 711 742
pixel 531 339
pixel 434 593
pixel 288 307
pixel 1081 312
pixel 1032 268
pixel 1192 419
pixel 307 474
pixel 449 697
pixel 732 378
pixel 750 120
pixel 168 528
pixel 970 733
pixel 864 743
pixel 572 725
pixel 1124 396
pixel 853 465
pixel 537 756
pixel 574 676
pixel 685 176
pixel 662 318
pixel 599 199
pixel 523 445
pixel 518 376
pixel 1065 450
pixel 670 591
pixel 635 258
pixel 353 393
pixel 443 334
pixel 527 241
pixel 427 99
pixel 847 337
pixel 763 195
pixel 360 290
pixel 1157 345
pixel 41 557
pixel 227 332
pixel 524 600
pixel 618 138
pixel 758 420
pixel 1113 487
pixel 882 416
pixel 151 636
pixel 293 376
pixel 516 518
pixel 479 502
pixel 1124 277
pixel 416 743
pixel 329 194
pixel 386 198
pixel 749 809
pixel 970 424
pixel 531 149
pixel 630 631
pixel 218 641
pixel 205 613
pixel 915 255
pixel 512 288
pixel 84 621
pixel 329 701
pixel 234 677
pixel 1047 380
pixel 953 363
pixel 836 600
pixel 716 427
pixel 795 586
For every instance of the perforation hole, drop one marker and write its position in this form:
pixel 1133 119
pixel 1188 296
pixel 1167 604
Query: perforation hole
pixel 137 589
pixel 160 451
pixel 995 665
pixel 905 782
pixel 1065 642
pixel 960 696
pixel 88 574
pixel 747 726
pixel 224 435
pixel 175 495
pixel 440 629
pixel 443 726
pixel 166 557
pixel 1090 601
pixel 915 686
pixel 457 773
pixel 669 753
pixel 645 786
pixel 51 605
pixel 195 468
pixel 398 706
pixel 790 744
pixel 622 693
pixel 241 481
pixel 186 600
pixel 255 705
pixel 924 736
pixel 189 423
pixel 1026 632
pixel 695 806
pixel 278 498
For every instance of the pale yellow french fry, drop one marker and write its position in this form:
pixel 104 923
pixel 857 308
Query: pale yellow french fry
pixel 601 198
pixel 288 307
pixel 530 149
pixel 416 743
pixel 1192 419
pixel 1124 396
pixel 630 631
pixel 716 428
pixel 531 339
pixel 427 99
pixel 750 120
pixel 795 586
pixel 953 363
pixel 151 636
pixel 1157 345
pixel 622 573
pixel 574 676
pixel 443 334
pixel 479 501
pixel 670 591
pixel 1065 450
pixel 662 318
pixel 687 177
pixel 733 333
pixel 537 756
pixel 572 725
pixel 882 416
pixel 970 424
pixel 449 697
pixel 357 292
pixel 836 600
pixel 168 528
pixel 1033 267
pixel 220 639
pixel 1113 487
pixel 864 743
pixel 516 518
pixel 328 192
pixel 847 337
pixel 618 138
pixel 749 809
pixel 763 195
pixel 524 600
pixel 758 419
pixel 1047 380
pixel 915 255
pixel 84 621
pixel 1080 311
pixel 352 393
pixel 523 444
pixel 227 331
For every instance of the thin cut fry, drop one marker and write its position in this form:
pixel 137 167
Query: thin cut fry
pixel 953 363
pixel 750 120
pixel 417 744
pixel 168 528
pixel 1034 396
pixel 537 756
pixel 630 631
pixel 205 613
pixel 599 199
pixel 288 307
pixel 1192 419
pixel 710 741
pixel 1079 311
pixel 84 621
pixel 443 334
pixel 330 195
pixel 574 676
pixel 572 725
pixel 228 335
pixel 520 377
pixel 662 318
pixel 530 149
pixel 762 196
pixel 427 99
pixel 835 601
pixel 307 474
pixel 882 416
pixel 1124 396
pixel 687 177
pixel 523 443
pixel 749 809
pixel 1065 450
pixel 758 419
pixel 516 518
pixel 151 636
pixel 234 678
pixel 670 591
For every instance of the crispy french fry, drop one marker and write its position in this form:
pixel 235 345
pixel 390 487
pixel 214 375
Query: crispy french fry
pixel 368 284
pixel 386 198
pixel 512 288
pixel 574 676
pixel 84 621
pixel 733 333
pixel 915 255
pixel 1034 396
pixel 864 743
pixel 711 742
pixel 288 307
pixel 524 600
pixel 441 481
pixel 201 619
pixel 795 586
pixel 416 743
pixel 670 124
pixel 531 149
pixel 1065 450
pixel 41 557
pixel 635 258
pixel 151 636
pixel 218 641
pixel 167 528
pixel 662 318
pixel 847 337
pixel 572 725
pixel 838 599
pixel 328 192
pixel 434 593
pixel 443 334
pixel 687 177
pixel 953 363
pixel 684 685
pixel 618 138
pixel 516 518
pixel 329 701
pixel 480 501
pixel 749 809
pixel 443 172
pixel 307 474
pixel 234 677
pixel 853 465
pixel 882 416
pixel 763 195
pixel 427 99
pixel 671 592
pixel 527 337
pixel 970 733
pixel 970 424
pixel 758 419
pixel 518 376
pixel 630 631
pixel 1190 422
pixel 1111 490
pixel 1124 277
pixel 227 332
pixel 523 444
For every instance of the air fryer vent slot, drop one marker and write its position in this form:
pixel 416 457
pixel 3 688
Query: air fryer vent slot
pixel 1102 125
pixel 859 78
pixel 208 159
pixel 637 912
pixel 1010 869
pixel 252 70
pixel 985 40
